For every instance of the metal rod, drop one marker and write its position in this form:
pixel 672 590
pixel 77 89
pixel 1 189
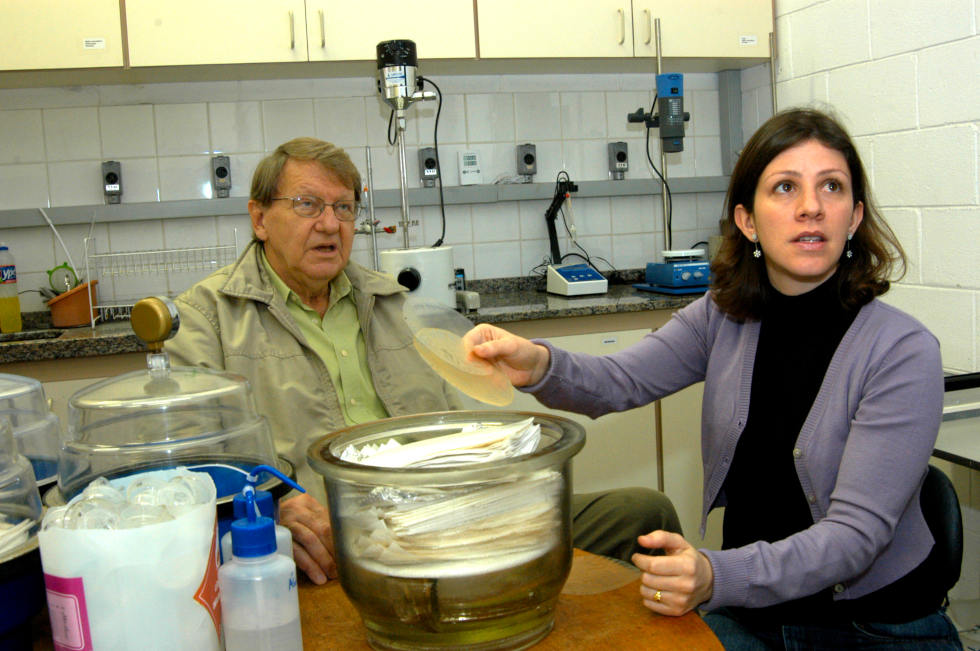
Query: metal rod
pixel 658 424
pixel 374 226
pixel 663 156
pixel 772 70
pixel 402 173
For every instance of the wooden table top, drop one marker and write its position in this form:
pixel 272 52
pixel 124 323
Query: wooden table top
pixel 599 608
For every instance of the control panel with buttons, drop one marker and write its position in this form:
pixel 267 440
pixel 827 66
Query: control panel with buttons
pixel 679 277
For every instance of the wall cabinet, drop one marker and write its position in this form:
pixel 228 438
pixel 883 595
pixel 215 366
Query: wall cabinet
pixel 620 28
pixel 188 32
pixel 513 29
pixel 45 34
pixel 703 28
pixel 343 31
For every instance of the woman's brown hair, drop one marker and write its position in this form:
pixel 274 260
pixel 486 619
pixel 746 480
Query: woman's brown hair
pixel 739 284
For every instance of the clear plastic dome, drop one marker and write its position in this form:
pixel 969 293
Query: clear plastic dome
pixel 161 417
pixel 36 430
pixel 20 503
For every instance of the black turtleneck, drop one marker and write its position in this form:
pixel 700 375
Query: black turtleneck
pixel 798 338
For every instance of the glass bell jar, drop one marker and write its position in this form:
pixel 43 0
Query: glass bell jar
pixel 164 417
pixel 452 530
pixel 36 430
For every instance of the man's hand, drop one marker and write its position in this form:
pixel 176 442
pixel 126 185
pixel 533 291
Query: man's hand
pixel 676 583
pixel 309 522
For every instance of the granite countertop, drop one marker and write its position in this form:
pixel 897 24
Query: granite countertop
pixel 501 301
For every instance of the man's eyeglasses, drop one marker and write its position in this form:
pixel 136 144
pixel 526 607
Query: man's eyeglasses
pixel 313 207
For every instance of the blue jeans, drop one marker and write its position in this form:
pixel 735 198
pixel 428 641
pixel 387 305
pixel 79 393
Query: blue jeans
pixel 933 632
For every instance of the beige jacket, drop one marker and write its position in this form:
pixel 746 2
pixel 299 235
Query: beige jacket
pixel 234 320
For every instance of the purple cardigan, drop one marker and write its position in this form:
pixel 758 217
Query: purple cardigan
pixel 861 455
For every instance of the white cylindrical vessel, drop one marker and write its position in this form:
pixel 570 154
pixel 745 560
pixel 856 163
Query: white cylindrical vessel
pixel 427 273
pixel 259 596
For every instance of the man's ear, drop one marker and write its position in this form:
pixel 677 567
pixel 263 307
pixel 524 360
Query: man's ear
pixel 744 221
pixel 257 212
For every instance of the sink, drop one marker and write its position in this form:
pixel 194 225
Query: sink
pixel 30 335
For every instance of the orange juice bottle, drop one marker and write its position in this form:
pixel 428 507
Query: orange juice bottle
pixel 9 302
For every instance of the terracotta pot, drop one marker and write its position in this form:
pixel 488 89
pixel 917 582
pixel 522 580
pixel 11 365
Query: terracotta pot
pixel 73 308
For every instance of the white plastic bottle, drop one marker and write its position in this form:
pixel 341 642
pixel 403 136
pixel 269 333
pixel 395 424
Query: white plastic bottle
pixel 9 302
pixel 267 507
pixel 259 597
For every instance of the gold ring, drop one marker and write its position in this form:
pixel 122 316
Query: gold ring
pixel 656 597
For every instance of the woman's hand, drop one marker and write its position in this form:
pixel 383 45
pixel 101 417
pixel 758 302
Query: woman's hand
pixel 676 583
pixel 522 361
pixel 309 522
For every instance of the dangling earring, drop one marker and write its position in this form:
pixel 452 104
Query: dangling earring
pixel 849 254
pixel 758 252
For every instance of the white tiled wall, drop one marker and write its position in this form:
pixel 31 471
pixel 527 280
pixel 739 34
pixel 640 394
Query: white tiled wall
pixel 902 75
pixel 53 140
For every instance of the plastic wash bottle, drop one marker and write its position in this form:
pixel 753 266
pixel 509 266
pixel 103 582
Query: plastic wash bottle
pixel 259 596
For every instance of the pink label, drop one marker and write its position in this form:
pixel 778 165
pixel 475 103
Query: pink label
pixel 69 618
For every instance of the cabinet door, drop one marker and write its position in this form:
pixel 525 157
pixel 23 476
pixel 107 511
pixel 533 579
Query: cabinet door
pixel 339 31
pixel 704 28
pixel 37 34
pixel 571 28
pixel 189 32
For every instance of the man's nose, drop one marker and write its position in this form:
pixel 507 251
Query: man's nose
pixel 328 219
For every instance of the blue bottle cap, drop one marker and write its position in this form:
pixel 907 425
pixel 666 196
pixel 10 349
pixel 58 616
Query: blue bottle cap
pixel 263 499
pixel 251 538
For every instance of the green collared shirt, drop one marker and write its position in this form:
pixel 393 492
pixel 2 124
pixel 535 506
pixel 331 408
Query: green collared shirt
pixel 337 339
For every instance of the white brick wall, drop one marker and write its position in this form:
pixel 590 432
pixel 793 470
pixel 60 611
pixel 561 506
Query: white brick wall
pixel 903 75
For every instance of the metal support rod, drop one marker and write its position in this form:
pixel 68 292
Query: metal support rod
pixel 663 156
pixel 374 226
pixel 402 173
pixel 772 69
pixel 658 420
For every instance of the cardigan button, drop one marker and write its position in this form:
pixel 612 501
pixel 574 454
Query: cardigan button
pixel 839 588
pixel 797 453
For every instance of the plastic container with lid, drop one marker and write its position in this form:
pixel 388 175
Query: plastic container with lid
pixel 164 417
pixel 37 431
pixel 21 580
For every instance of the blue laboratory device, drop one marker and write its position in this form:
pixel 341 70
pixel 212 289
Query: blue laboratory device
pixel 575 280
pixel 682 272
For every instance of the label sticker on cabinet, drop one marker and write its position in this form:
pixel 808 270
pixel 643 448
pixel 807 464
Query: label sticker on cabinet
pixel 93 43
pixel 748 40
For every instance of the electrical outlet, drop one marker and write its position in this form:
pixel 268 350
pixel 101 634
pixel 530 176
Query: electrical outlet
pixel 221 176
pixel 112 181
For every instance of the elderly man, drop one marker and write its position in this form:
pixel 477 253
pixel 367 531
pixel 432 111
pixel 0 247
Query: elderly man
pixel 324 344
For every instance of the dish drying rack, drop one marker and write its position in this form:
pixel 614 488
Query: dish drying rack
pixel 116 305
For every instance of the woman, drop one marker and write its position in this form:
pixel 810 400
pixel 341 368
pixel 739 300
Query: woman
pixel 821 407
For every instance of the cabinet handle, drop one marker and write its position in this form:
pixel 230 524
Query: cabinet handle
pixel 323 34
pixel 649 22
pixel 292 32
pixel 622 26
